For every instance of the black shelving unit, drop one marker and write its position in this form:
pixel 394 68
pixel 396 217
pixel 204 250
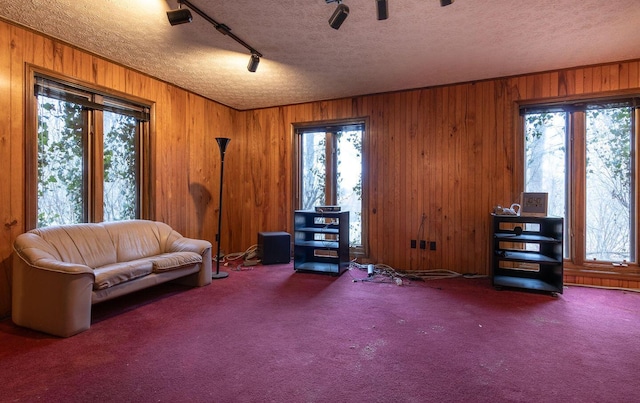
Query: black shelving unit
pixel 527 253
pixel 321 241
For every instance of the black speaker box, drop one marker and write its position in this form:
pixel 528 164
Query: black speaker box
pixel 274 247
pixel 383 9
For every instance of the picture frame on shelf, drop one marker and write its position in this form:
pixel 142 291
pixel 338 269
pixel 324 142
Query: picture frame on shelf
pixel 534 204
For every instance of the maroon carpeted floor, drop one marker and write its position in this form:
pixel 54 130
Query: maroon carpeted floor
pixel 272 335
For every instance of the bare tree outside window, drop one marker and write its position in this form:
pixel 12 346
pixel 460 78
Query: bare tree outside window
pixel 609 190
pixel 314 169
pixel 331 174
pixel 609 194
pixel 349 180
pixel 545 158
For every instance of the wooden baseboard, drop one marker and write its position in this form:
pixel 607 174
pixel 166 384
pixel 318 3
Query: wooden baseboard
pixel 601 278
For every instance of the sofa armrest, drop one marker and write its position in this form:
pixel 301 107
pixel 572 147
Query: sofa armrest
pixel 183 244
pixel 178 243
pixel 51 296
pixel 59 267
pixel 37 253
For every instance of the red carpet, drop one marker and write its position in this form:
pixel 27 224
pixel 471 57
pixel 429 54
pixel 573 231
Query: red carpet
pixel 272 335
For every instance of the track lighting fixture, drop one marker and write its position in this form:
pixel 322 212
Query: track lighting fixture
pixel 445 2
pixel 253 63
pixel 339 15
pixel 181 16
pixel 382 7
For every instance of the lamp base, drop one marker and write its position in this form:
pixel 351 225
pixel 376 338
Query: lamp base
pixel 219 275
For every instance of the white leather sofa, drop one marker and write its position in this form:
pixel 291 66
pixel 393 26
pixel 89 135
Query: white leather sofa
pixel 59 272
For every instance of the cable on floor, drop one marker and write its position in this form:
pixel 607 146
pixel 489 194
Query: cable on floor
pixel 249 258
pixel 391 275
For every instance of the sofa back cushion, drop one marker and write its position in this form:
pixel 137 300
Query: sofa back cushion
pixel 103 244
pixel 88 244
pixel 137 239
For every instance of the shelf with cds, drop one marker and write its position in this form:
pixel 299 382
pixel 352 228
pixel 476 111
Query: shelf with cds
pixel 321 241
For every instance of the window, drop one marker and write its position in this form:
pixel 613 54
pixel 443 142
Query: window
pixel 583 155
pixel 329 172
pixel 89 161
pixel 546 162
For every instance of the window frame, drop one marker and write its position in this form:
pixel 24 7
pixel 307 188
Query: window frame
pixel 95 171
pixel 576 175
pixel 332 126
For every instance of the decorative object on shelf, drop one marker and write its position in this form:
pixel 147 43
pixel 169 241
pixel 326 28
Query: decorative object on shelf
pixel 222 144
pixel 527 253
pixel 534 204
pixel 513 210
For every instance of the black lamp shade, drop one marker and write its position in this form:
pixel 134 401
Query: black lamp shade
pixel 179 16
pixel 382 7
pixel 222 143
pixel 253 63
pixel 339 15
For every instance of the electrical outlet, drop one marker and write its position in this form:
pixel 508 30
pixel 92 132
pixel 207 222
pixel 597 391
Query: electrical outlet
pixel 432 245
pixel 423 244
pixel 413 244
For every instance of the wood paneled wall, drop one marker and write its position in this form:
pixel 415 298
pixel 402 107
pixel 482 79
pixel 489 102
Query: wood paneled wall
pixel 445 153
pixel 449 153
pixel 185 156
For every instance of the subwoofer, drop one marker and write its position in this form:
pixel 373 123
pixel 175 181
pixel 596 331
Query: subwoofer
pixel 274 247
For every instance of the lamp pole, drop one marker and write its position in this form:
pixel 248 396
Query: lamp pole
pixel 222 144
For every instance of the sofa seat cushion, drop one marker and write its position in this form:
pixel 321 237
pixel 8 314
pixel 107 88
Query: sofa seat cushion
pixel 174 260
pixel 116 273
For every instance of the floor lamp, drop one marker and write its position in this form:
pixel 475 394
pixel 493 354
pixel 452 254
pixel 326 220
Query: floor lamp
pixel 222 143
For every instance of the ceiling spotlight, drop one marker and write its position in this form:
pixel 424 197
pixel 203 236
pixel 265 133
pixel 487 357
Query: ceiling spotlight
pixel 445 2
pixel 383 9
pixel 339 15
pixel 253 63
pixel 179 16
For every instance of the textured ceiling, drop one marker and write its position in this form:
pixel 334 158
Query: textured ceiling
pixel 421 44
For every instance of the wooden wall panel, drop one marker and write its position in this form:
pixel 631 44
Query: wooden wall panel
pixel 448 152
pixel 183 150
pixel 5 161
